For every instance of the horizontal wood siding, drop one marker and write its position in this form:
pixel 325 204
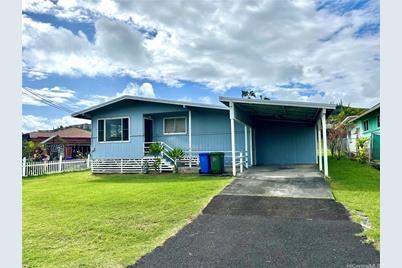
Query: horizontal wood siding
pixel 284 143
pixel 136 111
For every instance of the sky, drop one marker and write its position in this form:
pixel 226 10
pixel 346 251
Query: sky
pixel 80 53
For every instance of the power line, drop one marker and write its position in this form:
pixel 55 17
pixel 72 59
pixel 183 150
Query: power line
pixel 46 101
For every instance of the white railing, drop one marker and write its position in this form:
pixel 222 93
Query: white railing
pixel 37 168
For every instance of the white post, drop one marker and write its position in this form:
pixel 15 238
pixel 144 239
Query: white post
pixel 324 137
pixel 189 138
pixel 60 163
pixel 88 161
pixel 241 162
pixel 232 136
pixel 251 147
pixel 24 165
pixel 316 143
pixel 121 165
pixel 319 148
pixel 246 145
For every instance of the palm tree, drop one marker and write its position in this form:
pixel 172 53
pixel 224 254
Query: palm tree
pixel 248 94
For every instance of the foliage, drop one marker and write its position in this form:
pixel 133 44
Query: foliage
pixel 248 94
pixel 175 154
pixel 145 167
pixel 335 138
pixel 156 150
pixel 362 146
pixel 33 150
pixel 109 220
pixel 357 187
pixel 156 165
pixel 341 112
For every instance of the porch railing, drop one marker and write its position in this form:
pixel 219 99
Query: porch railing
pixel 191 157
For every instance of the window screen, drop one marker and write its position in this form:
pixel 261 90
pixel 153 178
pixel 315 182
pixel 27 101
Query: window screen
pixel 101 130
pixel 365 125
pixel 113 129
pixel 175 125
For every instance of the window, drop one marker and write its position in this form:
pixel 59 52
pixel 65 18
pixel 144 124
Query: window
pixel 378 120
pixel 174 125
pixel 115 129
pixel 365 125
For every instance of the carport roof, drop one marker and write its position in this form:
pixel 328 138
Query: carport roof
pixel 279 110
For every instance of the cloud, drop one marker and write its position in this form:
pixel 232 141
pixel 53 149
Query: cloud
pixel 56 94
pixel 33 123
pixel 205 99
pixel 145 90
pixel 222 44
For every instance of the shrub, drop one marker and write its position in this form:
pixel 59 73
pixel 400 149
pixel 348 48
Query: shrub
pixel 362 145
pixel 175 154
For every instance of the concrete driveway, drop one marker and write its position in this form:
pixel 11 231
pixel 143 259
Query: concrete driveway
pixel 246 226
pixel 298 181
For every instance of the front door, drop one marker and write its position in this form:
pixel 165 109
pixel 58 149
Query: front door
pixel 147 132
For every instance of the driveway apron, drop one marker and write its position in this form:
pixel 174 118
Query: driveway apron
pixel 269 217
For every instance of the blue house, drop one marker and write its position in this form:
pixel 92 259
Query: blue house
pixel 249 132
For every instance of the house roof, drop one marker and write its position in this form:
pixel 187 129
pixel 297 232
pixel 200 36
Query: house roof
pixel 63 133
pixel 86 112
pixel 280 110
pixel 372 109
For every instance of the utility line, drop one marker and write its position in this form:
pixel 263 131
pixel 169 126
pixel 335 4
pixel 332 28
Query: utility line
pixel 46 101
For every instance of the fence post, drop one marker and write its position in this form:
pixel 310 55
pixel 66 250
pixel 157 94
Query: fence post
pixel 121 165
pixel 24 164
pixel 88 161
pixel 241 162
pixel 60 163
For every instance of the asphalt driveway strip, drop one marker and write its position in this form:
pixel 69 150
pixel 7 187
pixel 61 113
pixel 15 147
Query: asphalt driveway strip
pixel 260 231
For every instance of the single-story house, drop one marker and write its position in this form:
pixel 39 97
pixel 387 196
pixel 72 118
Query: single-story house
pixel 366 125
pixel 262 132
pixel 68 143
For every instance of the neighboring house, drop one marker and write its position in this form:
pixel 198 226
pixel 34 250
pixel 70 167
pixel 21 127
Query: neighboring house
pixel 68 142
pixel 367 125
pixel 268 132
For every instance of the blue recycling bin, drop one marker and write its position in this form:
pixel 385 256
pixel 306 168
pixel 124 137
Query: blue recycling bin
pixel 205 166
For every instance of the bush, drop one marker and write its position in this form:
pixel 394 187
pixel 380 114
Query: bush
pixel 362 146
pixel 175 154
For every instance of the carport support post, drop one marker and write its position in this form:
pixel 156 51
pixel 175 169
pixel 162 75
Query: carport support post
pixel 232 136
pixel 319 146
pixel 324 137
pixel 251 147
pixel 245 145
pixel 316 143
pixel 189 139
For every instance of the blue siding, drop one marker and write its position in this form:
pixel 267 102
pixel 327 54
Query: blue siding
pixel 284 143
pixel 136 111
pixel 210 129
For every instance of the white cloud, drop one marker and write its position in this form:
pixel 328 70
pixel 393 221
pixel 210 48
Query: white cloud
pixel 145 90
pixel 221 44
pixel 56 94
pixel 205 99
pixel 34 123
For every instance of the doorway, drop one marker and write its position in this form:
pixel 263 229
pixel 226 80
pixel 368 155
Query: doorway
pixel 148 132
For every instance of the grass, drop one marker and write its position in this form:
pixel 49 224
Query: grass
pixel 357 187
pixel 83 220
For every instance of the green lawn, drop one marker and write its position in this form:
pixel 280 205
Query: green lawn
pixel 357 187
pixel 82 220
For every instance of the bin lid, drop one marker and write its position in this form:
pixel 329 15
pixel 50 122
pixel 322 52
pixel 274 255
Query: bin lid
pixel 203 154
pixel 216 153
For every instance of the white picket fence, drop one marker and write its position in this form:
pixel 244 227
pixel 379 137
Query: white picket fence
pixel 36 168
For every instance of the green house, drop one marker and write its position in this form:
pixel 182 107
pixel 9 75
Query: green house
pixel 367 125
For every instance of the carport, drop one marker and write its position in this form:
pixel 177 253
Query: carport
pixel 280 132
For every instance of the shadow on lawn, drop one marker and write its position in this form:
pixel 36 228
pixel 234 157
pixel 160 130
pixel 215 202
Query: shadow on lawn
pixel 153 178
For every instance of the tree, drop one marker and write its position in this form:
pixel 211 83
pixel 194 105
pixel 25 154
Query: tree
pixel 175 154
pixel 248 94
pixel 335 138
pixel 33 150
